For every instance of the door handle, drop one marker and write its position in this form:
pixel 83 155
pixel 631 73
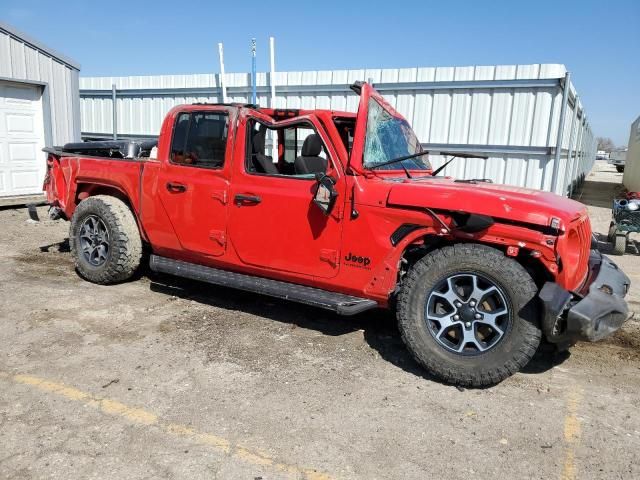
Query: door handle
pixel 176 187
pixel 241 199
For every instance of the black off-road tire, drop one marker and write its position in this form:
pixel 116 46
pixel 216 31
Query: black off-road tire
pixel 517 345
pixel 125 249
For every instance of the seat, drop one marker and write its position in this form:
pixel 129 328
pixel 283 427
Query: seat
pixel 310 162
pixel 262 163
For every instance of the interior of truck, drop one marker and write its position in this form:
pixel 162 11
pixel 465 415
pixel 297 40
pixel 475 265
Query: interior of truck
pixel 299 150
pixel 346 128
pixel 200 139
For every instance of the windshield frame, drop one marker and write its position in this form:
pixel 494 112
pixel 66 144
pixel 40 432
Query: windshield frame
pixel 356 156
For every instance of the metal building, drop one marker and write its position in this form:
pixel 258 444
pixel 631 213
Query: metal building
pixel 528 119
pixel 631 178
pixel 39 106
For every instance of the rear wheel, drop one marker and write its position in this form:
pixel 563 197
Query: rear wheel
pixel 105 240
pixel 620 169
pixel 469 315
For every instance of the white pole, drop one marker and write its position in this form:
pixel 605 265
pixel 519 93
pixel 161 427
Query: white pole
pixel 272 82
pixel 272 54
pixel 254 98
pixel 223 83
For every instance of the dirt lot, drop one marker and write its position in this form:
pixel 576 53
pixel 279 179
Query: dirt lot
pixel 166 378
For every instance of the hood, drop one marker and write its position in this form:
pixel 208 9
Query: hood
pixel 498 201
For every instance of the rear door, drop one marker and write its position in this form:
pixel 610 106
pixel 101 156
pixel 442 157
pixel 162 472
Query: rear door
pixel 193 184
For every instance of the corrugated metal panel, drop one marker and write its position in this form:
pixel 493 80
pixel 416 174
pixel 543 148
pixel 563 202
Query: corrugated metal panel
pixel 510 112
pixel 631 177
pixel 23 59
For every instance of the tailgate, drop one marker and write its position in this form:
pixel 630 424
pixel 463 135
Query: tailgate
pixel 54 181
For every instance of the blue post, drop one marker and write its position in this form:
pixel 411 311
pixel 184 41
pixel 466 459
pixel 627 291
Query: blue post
pixel 253 72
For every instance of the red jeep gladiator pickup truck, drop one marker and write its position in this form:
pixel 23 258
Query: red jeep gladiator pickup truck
pixel 342 211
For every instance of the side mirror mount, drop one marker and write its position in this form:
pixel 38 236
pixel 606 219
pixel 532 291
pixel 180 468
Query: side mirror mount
pixel 326 194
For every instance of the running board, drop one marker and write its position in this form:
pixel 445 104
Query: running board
pixel 337 302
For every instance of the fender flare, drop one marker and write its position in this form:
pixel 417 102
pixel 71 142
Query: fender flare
pixel 385 276
pixel 107 185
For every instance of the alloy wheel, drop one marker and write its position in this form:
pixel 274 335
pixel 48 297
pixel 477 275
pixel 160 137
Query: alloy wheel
pixel 467 313
pixel 94 241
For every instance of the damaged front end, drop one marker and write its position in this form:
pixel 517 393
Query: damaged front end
pixel 597 311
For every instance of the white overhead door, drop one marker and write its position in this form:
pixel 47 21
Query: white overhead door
pixel 22 162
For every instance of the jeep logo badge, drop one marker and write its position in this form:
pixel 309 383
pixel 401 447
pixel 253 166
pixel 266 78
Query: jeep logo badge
pixel 357 261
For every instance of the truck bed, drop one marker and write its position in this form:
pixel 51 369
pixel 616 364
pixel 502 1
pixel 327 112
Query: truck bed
pixel 111 148
pixel 81 176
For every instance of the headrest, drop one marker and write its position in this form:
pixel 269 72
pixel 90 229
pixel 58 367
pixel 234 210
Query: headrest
pixel 312 146
pixel 258 142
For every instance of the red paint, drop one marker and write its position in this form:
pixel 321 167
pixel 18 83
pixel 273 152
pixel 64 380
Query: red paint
pixel 287 237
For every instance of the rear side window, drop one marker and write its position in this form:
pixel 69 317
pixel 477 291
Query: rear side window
pixel 200 139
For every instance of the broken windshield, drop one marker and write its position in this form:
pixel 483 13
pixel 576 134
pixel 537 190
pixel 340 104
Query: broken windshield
pixel 390 137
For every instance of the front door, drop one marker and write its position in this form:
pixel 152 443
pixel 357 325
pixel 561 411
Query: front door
pixel 273 221
pixel 193 183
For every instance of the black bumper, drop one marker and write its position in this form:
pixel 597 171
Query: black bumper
pixel 593 314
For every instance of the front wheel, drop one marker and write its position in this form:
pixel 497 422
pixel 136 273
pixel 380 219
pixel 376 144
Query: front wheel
pixel 469 315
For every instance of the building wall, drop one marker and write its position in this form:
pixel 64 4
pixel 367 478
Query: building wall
pixel 23 59
pixel 631 178
pixel 511 113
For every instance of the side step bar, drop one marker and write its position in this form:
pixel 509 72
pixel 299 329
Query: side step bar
pixel 337 302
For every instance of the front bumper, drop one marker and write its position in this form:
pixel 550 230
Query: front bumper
pixel 591 315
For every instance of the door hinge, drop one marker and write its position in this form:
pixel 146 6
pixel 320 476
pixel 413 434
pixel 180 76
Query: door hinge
pixel 329 256
pixel 218 236
pixel 220 195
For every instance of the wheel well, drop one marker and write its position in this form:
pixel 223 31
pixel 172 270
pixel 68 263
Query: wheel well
pixel 86 190
pixel 535 267
pixel 424 245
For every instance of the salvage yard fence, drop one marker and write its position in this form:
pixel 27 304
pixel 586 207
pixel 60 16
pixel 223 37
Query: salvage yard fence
pixel 527 119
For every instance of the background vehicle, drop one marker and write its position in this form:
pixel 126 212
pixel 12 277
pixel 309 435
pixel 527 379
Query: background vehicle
pixel 625 219
pixel 347 216
pixel 618 158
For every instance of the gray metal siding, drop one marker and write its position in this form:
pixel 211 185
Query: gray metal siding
pixel 631 178
pixel 24 60
pixel 509 112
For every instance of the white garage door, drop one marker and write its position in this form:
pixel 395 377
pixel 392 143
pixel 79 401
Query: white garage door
pixel 22 162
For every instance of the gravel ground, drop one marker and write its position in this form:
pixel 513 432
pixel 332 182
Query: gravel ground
pixel 161 377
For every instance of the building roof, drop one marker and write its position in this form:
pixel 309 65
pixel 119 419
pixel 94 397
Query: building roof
pixel 23 37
